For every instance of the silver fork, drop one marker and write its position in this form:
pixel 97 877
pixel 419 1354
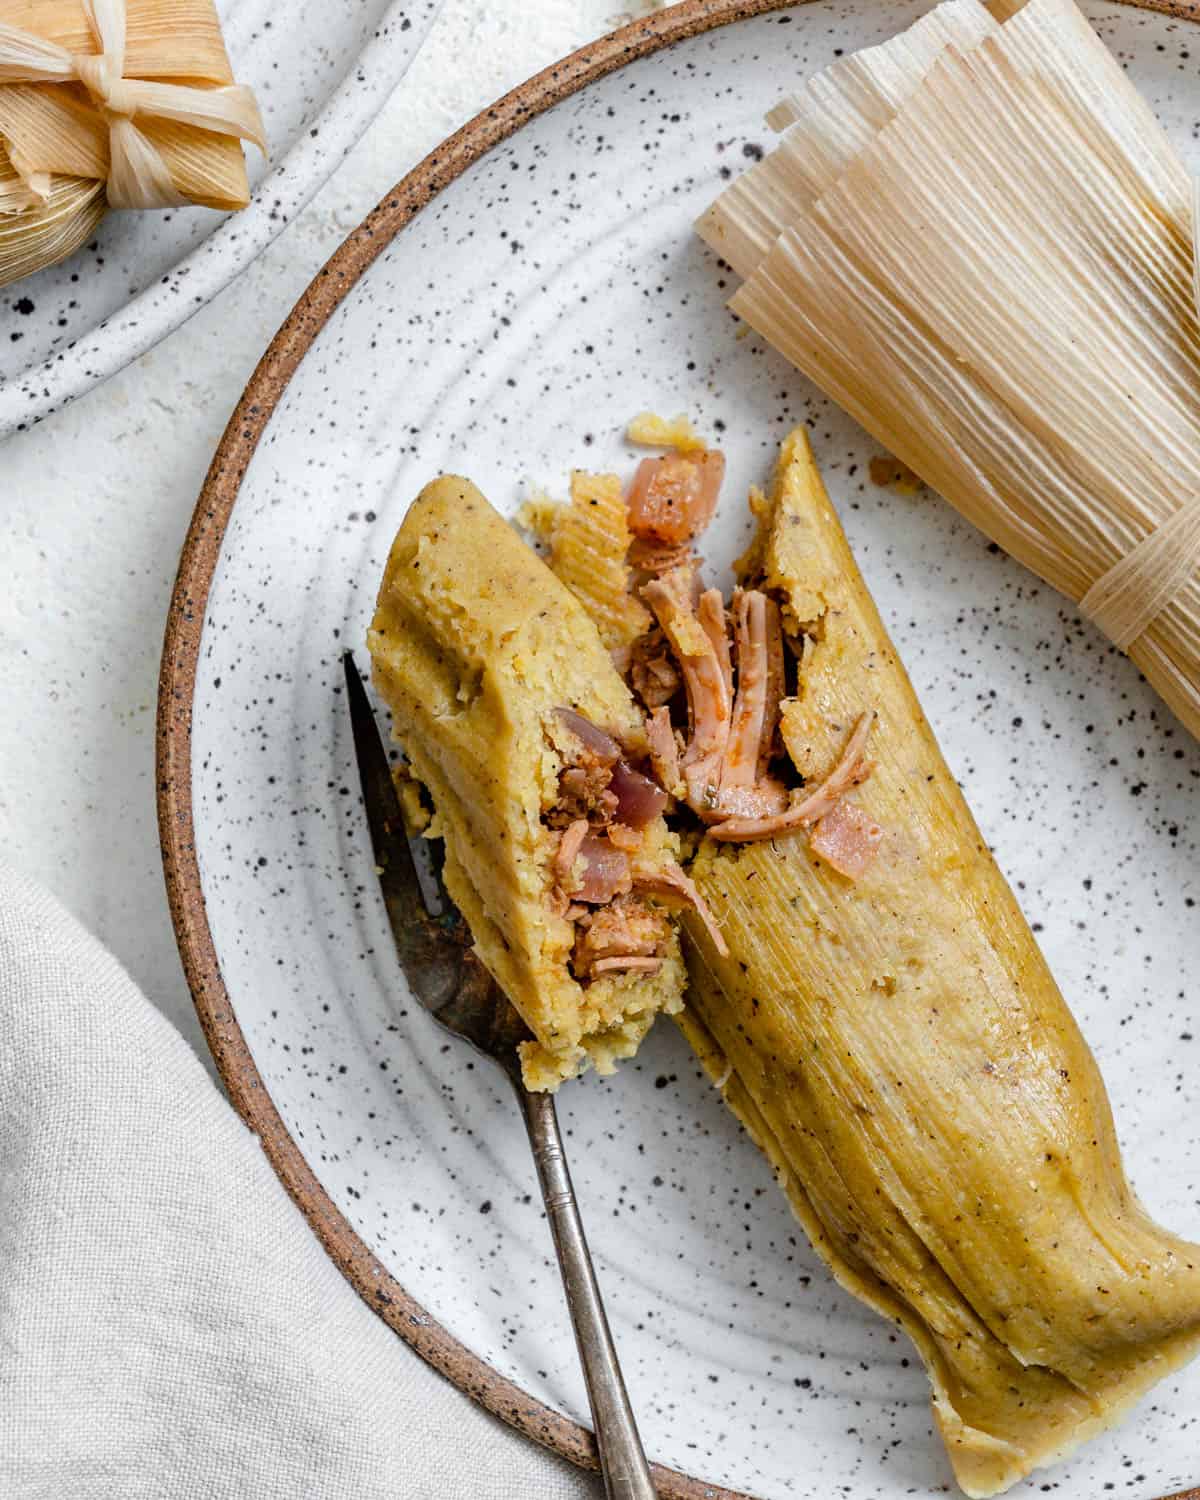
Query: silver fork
pixel 454 987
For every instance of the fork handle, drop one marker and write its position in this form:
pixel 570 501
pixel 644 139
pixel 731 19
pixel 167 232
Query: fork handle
pixel 622 1461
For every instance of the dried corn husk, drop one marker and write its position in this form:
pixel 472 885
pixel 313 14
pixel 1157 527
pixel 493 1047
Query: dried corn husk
pixel 112 103
pixel 36 233
pixel 993 271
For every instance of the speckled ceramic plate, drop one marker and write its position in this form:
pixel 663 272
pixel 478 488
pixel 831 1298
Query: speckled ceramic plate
pixel 502 314
pixel 321 77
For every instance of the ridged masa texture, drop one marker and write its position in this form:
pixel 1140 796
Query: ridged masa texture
pixel 899 1049
pixel 475 645
pixel 588 540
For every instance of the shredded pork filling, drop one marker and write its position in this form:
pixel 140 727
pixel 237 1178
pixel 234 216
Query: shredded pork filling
pixel 601 810
pixel 733 678
pixel 726 764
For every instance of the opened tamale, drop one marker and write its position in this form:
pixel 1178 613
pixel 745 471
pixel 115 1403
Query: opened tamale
pixel 488 664
pixel 897 1046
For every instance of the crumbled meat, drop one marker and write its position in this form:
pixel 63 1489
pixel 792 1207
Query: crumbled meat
pixel 652 670
pixel 584 791
pixel 626 934
pixel 653 558
pixel 584 783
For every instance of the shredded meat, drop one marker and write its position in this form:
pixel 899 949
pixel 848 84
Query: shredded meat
pixel 652 671
pixel 765 799
pixel 627 934
pixel 664 752
pixel 758 635
pixel 744 789
pixel 628 964
pixel 671 884
pixel 653 558
pixel 771 743
pixel 567 853
pixel 703 652
pixel 710 611
pixel 851 770
pixel 724 765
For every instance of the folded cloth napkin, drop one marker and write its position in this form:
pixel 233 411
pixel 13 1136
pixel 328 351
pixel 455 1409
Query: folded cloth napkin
pixel 169 1326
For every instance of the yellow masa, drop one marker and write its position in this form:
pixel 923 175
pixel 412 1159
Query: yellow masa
pixel 899 1049
pixel 475 644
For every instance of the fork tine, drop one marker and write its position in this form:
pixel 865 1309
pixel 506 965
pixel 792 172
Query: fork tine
pixel 385 818
pixel 429 952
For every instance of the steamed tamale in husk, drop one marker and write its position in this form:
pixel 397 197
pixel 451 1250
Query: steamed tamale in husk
pixel 979 241
pixel 112 104
pixel 898 1048
pixel 883 1022
pixel 489 665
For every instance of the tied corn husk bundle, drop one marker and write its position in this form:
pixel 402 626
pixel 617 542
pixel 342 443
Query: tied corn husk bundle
pixel 980 242
pixel 112 104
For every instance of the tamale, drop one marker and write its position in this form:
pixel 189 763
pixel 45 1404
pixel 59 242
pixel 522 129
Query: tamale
pixel 985 252
pixel 899 1049
pixel 477 650
pixel 113 103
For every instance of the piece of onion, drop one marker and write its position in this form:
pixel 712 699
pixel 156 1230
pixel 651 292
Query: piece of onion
pixel 672 499
pixel 848 839
pixel 605 874
pixel 639 800
pixel 602 745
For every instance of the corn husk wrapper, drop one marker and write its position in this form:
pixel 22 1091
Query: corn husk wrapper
pixel 112 103
pixel 983 250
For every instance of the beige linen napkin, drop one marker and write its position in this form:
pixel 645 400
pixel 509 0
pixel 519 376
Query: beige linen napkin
pixel 169 1326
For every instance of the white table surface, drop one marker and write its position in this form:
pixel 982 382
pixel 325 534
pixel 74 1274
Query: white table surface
pixel 95 503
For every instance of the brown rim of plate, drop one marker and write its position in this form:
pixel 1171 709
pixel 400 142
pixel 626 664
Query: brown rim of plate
pixel 177 681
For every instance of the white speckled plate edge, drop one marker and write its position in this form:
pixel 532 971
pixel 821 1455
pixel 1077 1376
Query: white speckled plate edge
pixel 182 642
pixel 236 241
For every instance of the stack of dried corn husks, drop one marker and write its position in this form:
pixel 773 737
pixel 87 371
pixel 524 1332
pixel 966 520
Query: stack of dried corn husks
pixel 112 104
pixel 979 241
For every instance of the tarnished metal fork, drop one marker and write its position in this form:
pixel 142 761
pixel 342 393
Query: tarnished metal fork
pixel 454 987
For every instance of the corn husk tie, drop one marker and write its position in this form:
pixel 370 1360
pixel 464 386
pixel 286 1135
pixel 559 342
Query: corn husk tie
pixel 138 177
pixel 1126 601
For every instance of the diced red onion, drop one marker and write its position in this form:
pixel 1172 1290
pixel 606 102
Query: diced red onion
pixel 639 800
pixel 606 871
pixel 602 745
